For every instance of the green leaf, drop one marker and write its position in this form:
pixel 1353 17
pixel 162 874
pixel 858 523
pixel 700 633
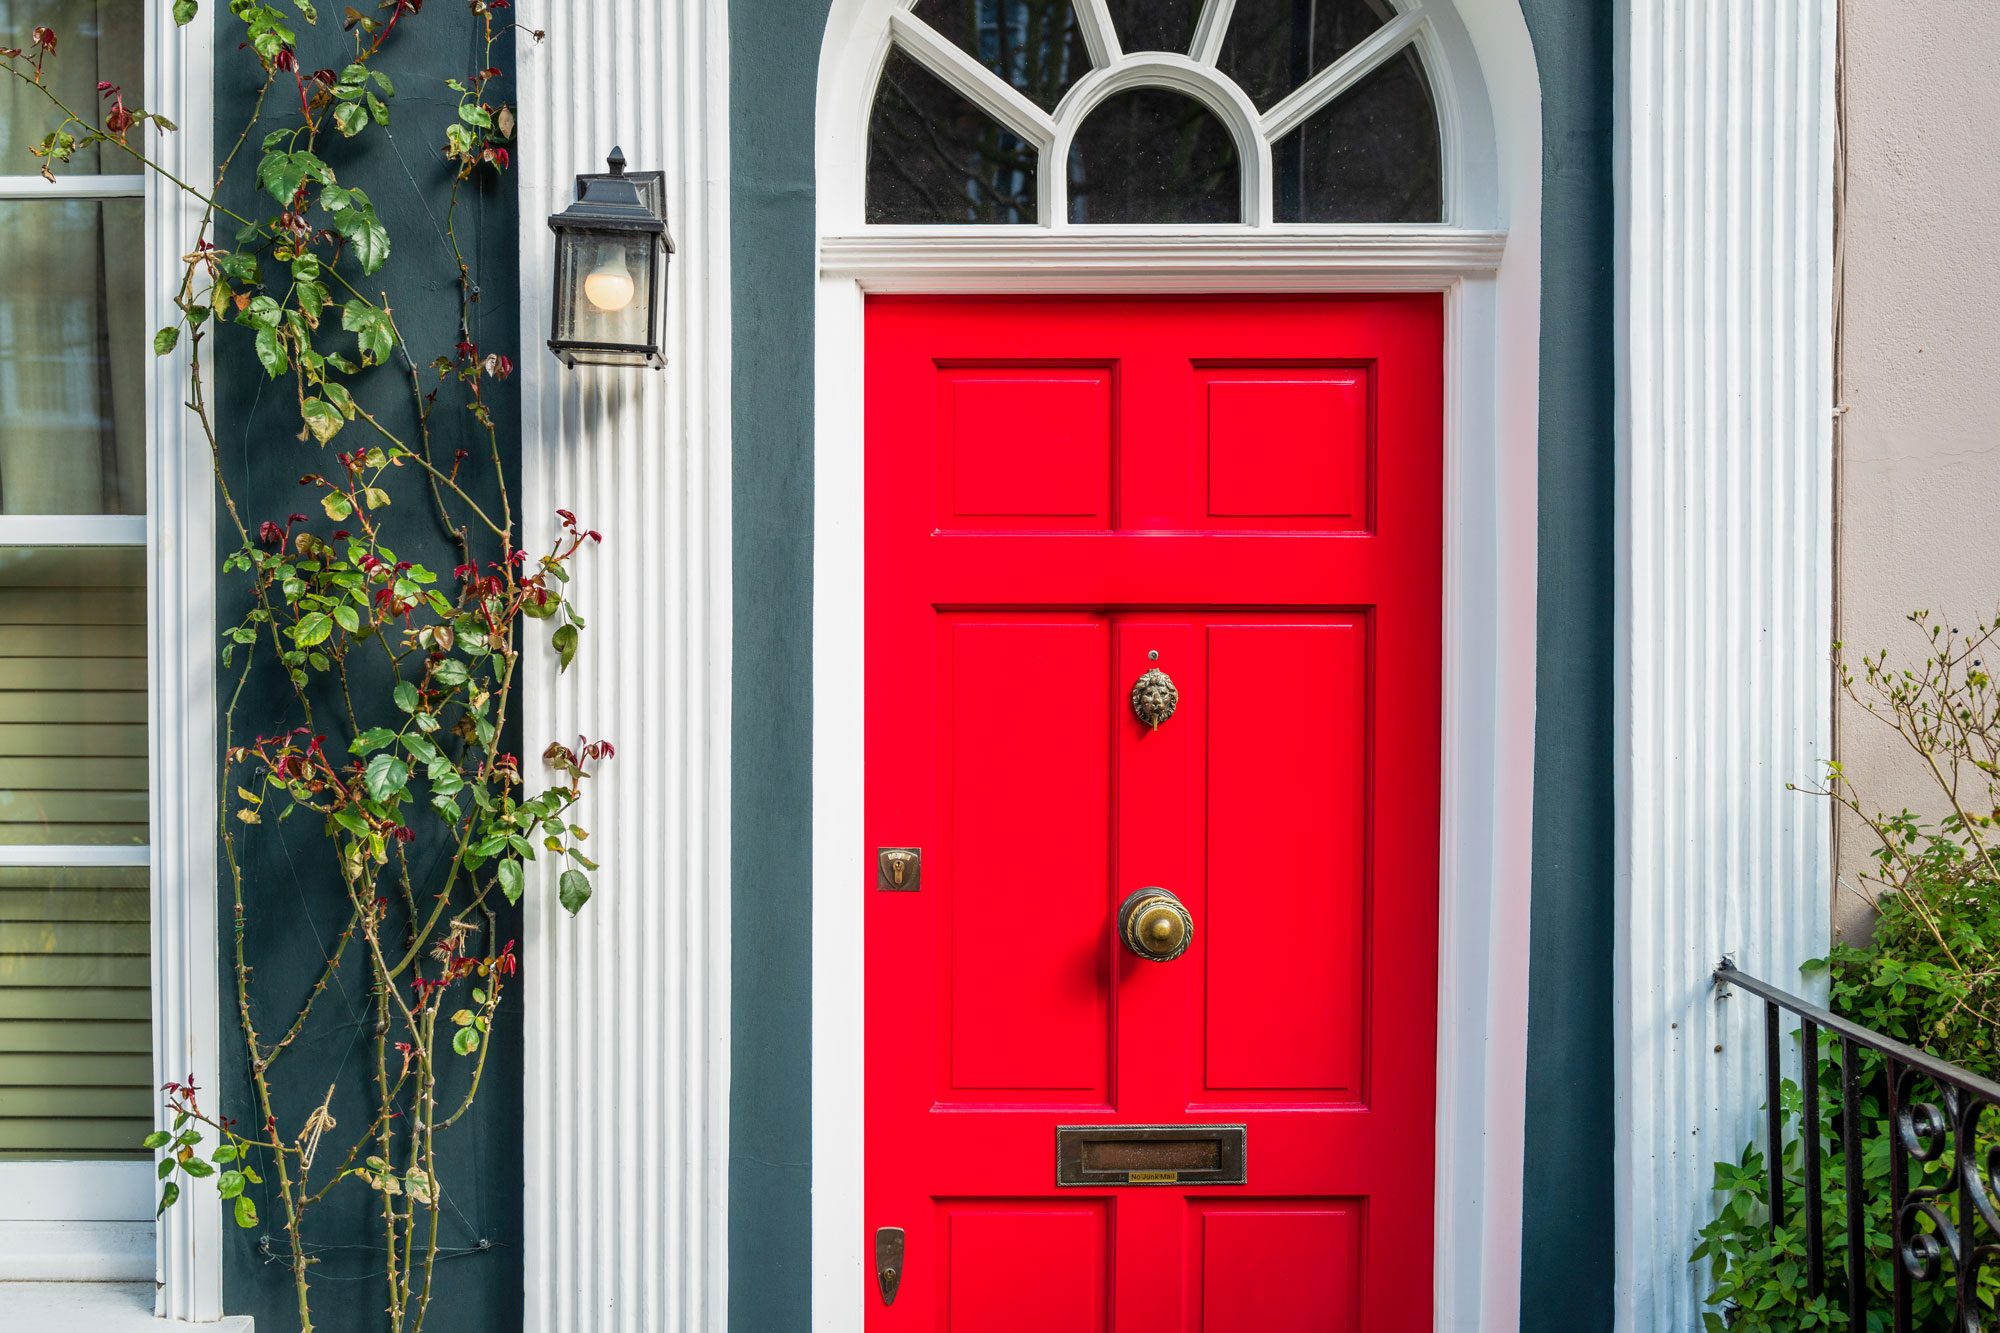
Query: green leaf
pixel 405 695
pixel 337 506
pixel 166 339
pixel 229 1184
pixel 372 739
pixel 312 628
pixel 349 618
pixel 184 11
pixel 194 1166
pixel 246 1211
pixel 271 353
pixel 283 174
pixel 351 118
pixel 450 672
pixel 564 642
pixel 465 1041
pixel 371 328
pixel 573 891
pixel 386 775
pixel 159 1138
pixel 168 1194
pixel 509 874
pixel 322 418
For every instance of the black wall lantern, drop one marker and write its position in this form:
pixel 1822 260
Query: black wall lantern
pixel 612 251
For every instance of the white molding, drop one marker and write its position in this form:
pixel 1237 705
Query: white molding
pixel 72 529
pixel 1483 69
pixel 34 854
pixel 1100 35
pixel 1724 141
pixel 73 187
pixel 33 1192
pixel 1300 104
pixel 1024 259
pixel 1161 69
pixel 181 635
pixel 625 1142
pixel 979 85
pixel 1210 29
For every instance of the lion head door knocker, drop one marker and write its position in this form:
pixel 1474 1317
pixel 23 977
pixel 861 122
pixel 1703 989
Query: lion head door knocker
pixel 1154 697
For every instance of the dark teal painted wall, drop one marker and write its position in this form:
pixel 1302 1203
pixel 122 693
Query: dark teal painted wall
pixel 295 908
pixel 773 68
pixel 1567 1230
pixel 1567 1259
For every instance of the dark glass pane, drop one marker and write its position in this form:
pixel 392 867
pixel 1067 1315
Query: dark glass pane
pixel 1154 25
pixel 1150 155
pixel 1033 44
pixel 98 41
pixel 73 354
pixel 933 157
pixel 1371 155
pixel 1273 46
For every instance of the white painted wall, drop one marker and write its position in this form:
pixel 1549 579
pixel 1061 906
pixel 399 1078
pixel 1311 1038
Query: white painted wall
pixel 1920 441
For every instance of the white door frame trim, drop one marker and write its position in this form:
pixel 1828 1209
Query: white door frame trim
pixel 181 680
pixel 1487 266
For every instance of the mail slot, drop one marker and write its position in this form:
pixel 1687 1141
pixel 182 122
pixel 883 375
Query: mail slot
pixel 1150 1155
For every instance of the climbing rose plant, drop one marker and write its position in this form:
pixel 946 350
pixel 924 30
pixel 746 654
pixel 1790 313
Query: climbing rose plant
pixel 393 681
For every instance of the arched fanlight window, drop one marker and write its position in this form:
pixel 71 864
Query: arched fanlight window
pixel 1155 112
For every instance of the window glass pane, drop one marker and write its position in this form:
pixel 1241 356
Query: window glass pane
pixel 73 696
pixel 1371 155
pixel 1033 44
pixel 76 1072
pixel 73 344
pixel 1153 156
pixel 1273 46
pixel 933 157
pixel 607 283
pixel 98 41
pixel 1154 25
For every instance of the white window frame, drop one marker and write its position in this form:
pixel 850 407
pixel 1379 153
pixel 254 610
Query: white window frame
pixel 1486 261
pixel 77 1221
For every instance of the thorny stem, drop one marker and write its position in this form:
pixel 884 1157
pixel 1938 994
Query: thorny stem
pixel 359 818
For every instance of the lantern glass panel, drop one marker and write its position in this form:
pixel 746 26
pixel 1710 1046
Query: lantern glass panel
pixel 605 287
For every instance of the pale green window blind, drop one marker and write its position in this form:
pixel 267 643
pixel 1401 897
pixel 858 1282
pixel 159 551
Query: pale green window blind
pixel 75 1029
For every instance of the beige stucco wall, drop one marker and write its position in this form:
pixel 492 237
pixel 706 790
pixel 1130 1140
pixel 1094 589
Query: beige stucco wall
pixel 1919 506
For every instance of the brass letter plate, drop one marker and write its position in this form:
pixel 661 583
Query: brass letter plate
pixel 1151 1155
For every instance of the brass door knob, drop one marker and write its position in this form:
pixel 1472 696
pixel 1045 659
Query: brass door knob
pixel 1154 925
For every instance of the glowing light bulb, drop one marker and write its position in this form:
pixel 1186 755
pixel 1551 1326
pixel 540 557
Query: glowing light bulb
pixel 609 286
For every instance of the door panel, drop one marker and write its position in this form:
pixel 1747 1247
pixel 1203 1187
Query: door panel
pixel 1287 898
pixel 1029 1021
pixel 1061 495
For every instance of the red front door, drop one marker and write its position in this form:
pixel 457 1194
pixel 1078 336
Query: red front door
pixel 1062 495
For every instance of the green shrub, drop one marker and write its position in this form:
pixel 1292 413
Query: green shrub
pixel 1927 977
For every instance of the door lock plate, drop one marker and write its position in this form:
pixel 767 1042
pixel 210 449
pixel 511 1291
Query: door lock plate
pixel 898 869
pixel 889 1261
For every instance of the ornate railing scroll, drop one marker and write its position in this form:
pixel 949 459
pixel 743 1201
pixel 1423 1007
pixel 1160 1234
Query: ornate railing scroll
pixel 1944 1225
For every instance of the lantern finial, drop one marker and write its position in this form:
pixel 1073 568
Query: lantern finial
pixel 616 161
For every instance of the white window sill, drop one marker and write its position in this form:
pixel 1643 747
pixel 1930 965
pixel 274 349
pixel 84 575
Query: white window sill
pixel 93 1307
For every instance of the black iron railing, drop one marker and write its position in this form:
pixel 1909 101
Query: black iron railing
pixel 1945 1219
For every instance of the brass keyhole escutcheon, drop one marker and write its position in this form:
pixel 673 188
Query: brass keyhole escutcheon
pixel 1154 697
pixel 1155 925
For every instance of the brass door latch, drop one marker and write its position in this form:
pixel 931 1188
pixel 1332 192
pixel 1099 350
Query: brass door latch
pixel 889 1261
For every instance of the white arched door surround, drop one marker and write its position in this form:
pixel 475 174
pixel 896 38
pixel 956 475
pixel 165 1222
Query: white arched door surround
pixel 1485 259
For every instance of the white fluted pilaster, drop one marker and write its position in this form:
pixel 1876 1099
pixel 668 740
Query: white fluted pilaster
pixel 1725 233
pixel 627 1004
